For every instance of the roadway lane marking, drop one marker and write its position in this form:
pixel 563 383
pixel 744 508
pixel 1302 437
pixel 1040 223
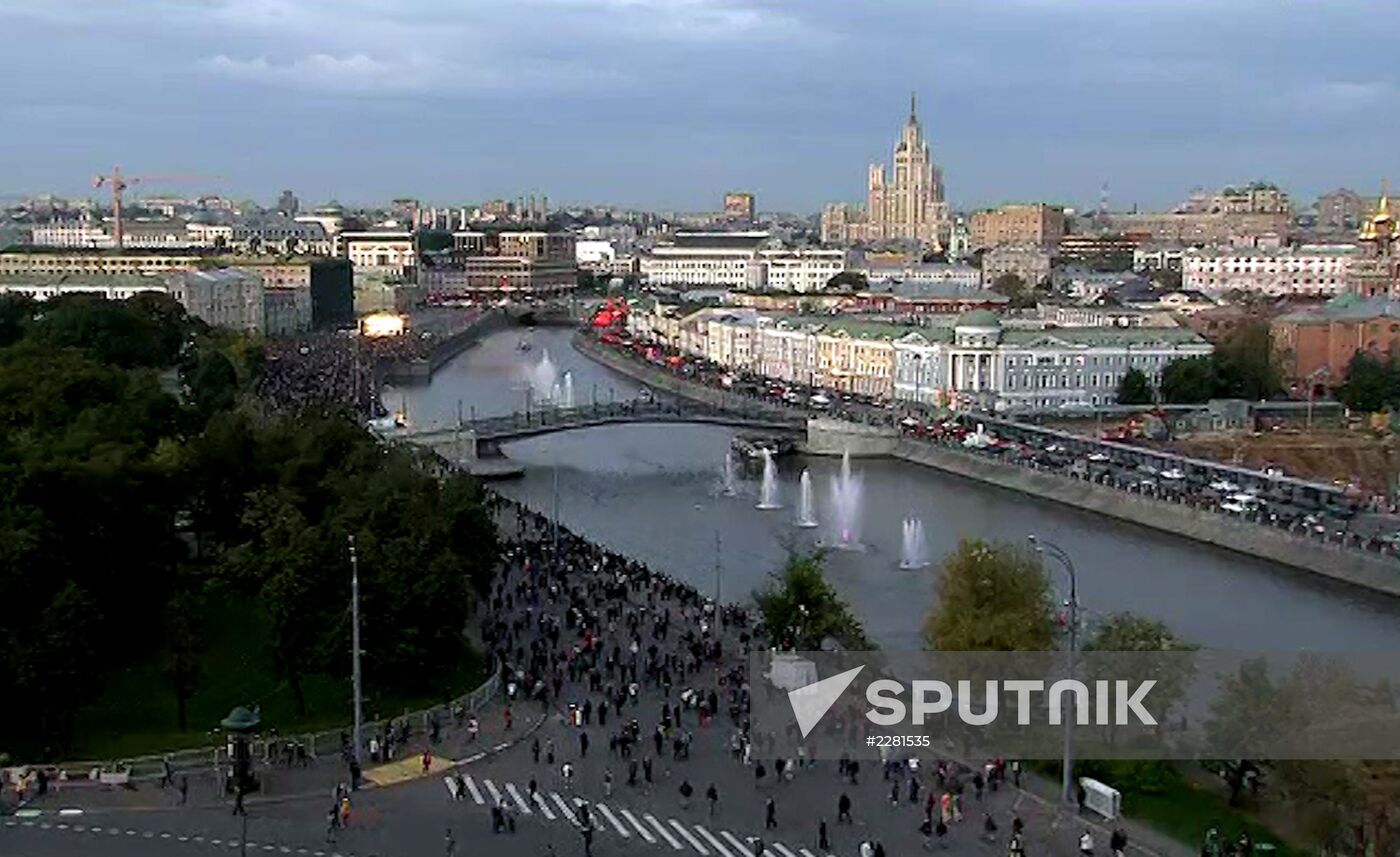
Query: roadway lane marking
pixel 70 811
pixel 165 836
pixel 563 807
pixel 641 828
pixel 714 843
pixel 147 835
pixel 499 747
pixel 739 847
pixel 806 853
pixel 220 842
pixel 476 793
pixel 28 813
pixel 689 837
pixel 612 819
pixel 130 832
pixel 665 834
pixel 451 783
pixel 495 793
pixel 783 849
pixel 544 806
pixel 519 801
pixel 61 826
pixel 475 757
pixel 95 829
pixel 267 847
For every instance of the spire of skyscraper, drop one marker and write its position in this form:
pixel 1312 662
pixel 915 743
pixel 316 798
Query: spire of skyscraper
pixel 913 115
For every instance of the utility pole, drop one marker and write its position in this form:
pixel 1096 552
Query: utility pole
pixel 355 647
pixel 1058 553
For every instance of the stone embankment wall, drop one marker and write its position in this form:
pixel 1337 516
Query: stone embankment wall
pixel 1365 570
pixel 832 437
pixel 411 371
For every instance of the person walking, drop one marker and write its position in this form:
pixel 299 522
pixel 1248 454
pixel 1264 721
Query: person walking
pixel 607 782
pixel 427 760
pixel 1086 843
pixel 823 841
pixel 184 789
pixel 843 809
pixel 535 750
pixel 712 795
pixel 686 791
pixel 770 814
pixel 449 845
pixel 1118 842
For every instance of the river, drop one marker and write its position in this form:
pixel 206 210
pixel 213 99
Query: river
pixel 654 493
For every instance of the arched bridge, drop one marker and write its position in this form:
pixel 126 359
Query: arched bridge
pixel 487 435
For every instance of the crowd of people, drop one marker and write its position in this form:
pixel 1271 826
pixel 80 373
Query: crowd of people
pixel 326 370
pixel 612 648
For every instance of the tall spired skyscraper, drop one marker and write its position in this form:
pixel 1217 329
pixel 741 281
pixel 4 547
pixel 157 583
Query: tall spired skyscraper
pixel 907 206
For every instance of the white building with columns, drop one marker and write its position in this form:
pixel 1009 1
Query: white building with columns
pixel 970 362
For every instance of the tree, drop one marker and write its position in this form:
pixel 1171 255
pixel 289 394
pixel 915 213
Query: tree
pixel 1246 364
pixel 801 609
pixel 1009 284
pixel 1134 388
pixel 847 281
pixel 1371 384
pixel 1188 380
pixel 992 597
pixel 183 629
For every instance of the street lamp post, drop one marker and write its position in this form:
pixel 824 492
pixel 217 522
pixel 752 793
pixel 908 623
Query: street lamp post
pixel 355 650
pixel 918 371
pixel 1055 551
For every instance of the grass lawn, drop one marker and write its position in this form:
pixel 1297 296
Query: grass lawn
pixel 1186 811
pixel 135 714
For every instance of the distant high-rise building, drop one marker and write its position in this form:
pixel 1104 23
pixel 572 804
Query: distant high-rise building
pixel 288 203
pixel 738 207
pixel 905 206
pixel 1039 224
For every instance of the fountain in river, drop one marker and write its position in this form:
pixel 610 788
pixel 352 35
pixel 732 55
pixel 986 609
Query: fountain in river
pixel 768 495
pixel 730 474
pixel 806 515
pixel 846 490
pixel 913 552
pixel 544 379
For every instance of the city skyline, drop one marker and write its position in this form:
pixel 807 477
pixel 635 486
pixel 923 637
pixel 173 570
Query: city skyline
pixel 605 101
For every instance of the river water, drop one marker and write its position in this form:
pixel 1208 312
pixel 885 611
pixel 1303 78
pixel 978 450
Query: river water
pixel 654 493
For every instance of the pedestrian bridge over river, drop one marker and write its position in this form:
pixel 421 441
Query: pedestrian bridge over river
pixel 482 438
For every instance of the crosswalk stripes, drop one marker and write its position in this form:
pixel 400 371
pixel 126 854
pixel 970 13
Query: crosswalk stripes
pixel 475 792
pixel 641 828
pixel 665 834
pixel 740 848
pixel 612 819
pixel 806 853
pixel 495 793
pixel 782 849
pixel 564 807
pixel 689 837
pixel 519 801
pixel 714 843
pixel 544 806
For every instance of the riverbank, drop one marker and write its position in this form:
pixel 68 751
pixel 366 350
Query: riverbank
pixel 1370 572
pixel 420 370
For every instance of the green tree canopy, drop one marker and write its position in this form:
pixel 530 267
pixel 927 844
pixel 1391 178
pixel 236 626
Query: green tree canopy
pixel 801 609
pixel 1372 384
pixel 1189 380
pixel 992 597
pixel 847 281
pixel 1134 388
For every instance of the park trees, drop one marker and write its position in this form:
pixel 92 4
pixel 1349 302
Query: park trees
pixel 801 608
pixel 991 597
pixel 1134 388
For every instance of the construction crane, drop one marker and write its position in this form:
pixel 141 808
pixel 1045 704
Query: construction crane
pixel 118 183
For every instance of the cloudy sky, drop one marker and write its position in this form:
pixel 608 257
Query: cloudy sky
pixel 667 103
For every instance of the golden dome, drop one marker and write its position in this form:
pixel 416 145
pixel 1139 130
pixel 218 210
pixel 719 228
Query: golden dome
pixel 1380 225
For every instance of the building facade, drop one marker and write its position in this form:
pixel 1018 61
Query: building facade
pixel 1030 263
pixel 223 297
pixel 1306 271
pixel 1036 224
pixel 740 260
pixel 1315 346
pixel 906 204
pixel 968 362
pixel 501 265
